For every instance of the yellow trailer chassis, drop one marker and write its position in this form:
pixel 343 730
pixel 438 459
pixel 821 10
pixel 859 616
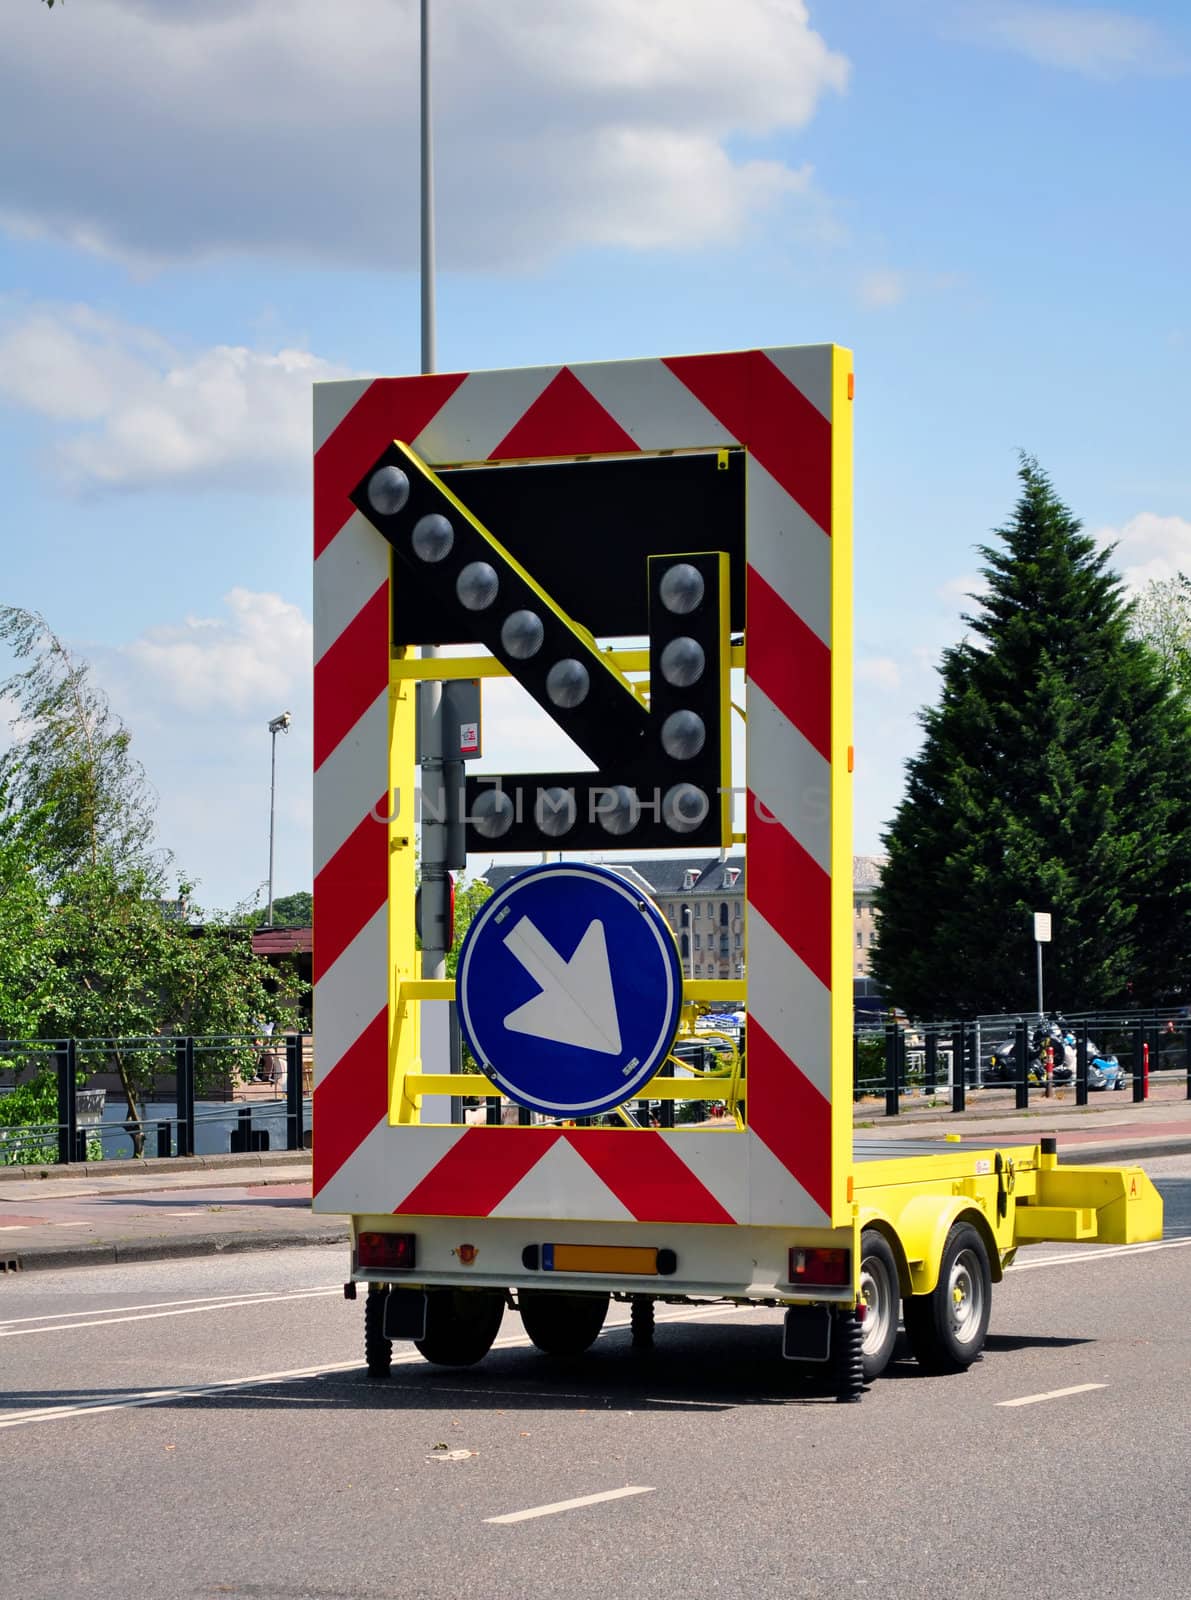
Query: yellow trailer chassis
pixel 933 1226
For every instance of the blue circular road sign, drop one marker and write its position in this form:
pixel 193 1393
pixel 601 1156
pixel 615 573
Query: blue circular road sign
pixel 569 989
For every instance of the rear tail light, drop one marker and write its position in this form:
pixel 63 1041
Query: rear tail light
pixel 821 1267
pixel 376 1252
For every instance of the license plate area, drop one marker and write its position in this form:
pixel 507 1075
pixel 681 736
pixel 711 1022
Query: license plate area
pixel 603 1260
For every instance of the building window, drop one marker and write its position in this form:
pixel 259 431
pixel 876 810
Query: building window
pixel 731 877
pixel 723 913
pixel 698 941
pixel 738 941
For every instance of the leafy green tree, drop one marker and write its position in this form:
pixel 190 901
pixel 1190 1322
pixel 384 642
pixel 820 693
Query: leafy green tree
pixel 291 911
pixel 89 948
pixel 1052 777
pixel 132 973
pixel 470 894
pixel 28 937
pixel 1162 619
pixel 71 766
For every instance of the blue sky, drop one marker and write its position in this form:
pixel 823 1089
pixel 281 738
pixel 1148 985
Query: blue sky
pixel 207 204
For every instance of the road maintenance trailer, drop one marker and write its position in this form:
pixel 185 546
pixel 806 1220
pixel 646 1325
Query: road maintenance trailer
pixel 626 544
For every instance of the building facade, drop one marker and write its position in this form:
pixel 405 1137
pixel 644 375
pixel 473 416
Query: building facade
pixel 703 901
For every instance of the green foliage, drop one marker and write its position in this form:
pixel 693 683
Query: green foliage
pixel 291 911
pixel 27 935
pixel 132 970
pixel 89 949
pixel 1162 620
pixel 71 768
pixel 1052 777
pixel 30 1109
pixel 29 1120
pixel 470 894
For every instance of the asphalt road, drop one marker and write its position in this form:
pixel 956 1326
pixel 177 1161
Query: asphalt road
pixel 204 1427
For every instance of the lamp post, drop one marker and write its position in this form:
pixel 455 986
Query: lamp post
pixel 277 725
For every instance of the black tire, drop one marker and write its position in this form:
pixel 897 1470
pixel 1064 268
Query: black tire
pixel 562 1324
pixel 460 1325
pixel 947 1327
pixel 378 1351
pixel 881 1295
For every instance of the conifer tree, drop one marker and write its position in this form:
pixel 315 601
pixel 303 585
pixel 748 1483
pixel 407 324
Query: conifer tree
pixel 1053 776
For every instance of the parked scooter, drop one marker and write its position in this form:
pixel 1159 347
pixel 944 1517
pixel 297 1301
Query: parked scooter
pixel 1104 1070
pixel 1055 1036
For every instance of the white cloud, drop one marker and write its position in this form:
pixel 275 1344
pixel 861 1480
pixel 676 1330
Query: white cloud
pixel 183 131
pixel 246 662
pixel 197 696
pixel 882 672
pixel 1149 547
pixel 145 411
pixel 1090 40
pixel 958 591
pixel 882 287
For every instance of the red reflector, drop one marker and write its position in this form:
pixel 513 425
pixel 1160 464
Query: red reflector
pixel 375 1251
pixel 825 1268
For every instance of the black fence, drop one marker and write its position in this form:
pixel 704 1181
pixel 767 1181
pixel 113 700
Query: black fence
pixel 952 1061
pixel 184 1096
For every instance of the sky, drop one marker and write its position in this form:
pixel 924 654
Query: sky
pixel 208 205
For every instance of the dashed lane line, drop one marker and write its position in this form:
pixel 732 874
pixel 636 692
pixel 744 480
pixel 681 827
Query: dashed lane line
pixel 571 1505
pixel 1052 1394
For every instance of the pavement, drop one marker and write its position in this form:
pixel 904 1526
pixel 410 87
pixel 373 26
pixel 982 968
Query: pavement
pixel 120 1211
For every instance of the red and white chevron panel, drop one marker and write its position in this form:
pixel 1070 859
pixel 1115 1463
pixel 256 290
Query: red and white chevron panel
pixel 778 404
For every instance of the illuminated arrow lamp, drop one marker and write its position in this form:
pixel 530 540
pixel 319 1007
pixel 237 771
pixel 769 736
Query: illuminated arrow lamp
pixel 663 769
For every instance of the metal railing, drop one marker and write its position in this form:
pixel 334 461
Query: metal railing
pixel 196 1101
pixel 949 1061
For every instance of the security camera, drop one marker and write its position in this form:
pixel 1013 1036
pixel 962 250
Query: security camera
pixel 281 724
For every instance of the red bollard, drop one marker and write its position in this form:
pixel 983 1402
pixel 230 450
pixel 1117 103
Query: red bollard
pixel 1050 1070
pixel 1145 1070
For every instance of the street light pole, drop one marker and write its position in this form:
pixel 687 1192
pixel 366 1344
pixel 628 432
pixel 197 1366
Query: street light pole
pixel 277 725
pixel 428 350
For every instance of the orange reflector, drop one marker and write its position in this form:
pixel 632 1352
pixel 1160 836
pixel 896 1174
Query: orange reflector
pixel 377 1252
pixel 599 1258
pixel 851 386
pixel 819 1266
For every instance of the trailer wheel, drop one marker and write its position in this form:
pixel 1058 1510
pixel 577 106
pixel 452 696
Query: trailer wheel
pixel 879 1295
pixel 378 1351
pixel 947 1327
pixel 562 1324
pixel 460 1325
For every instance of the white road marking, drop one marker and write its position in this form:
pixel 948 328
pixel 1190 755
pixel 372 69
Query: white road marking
pixel 1090 1253
pixel 178 1311
pixel 214 1300
pixel 1052 1394
pixel 156 1397
pixel 570 1505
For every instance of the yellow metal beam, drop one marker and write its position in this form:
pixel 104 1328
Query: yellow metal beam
pixel 655 1089
pixel 439 667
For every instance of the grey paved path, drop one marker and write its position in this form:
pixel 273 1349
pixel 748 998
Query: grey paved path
pixel 129 1210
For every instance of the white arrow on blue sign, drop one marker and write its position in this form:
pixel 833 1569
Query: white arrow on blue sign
pixel 569 989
